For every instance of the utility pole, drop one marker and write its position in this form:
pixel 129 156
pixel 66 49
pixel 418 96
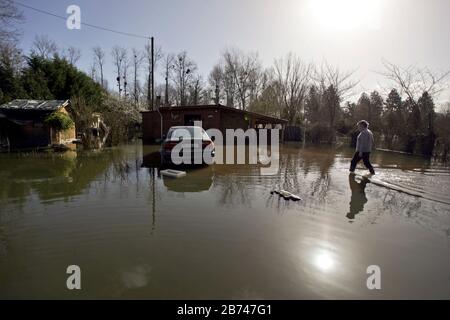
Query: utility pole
pixel 217 97
pixel 166 94
pixel 136 98
pixel 118 77
pixel 125 83
pixel 153 74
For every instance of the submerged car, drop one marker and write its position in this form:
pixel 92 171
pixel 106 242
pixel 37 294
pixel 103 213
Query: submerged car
pixel 192 143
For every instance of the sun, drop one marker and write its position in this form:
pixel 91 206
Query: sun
pixel 346 14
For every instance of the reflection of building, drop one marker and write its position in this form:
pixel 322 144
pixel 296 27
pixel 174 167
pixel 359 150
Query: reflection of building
pixel 23 124
pixel 152 160
pixel 212 116
pixel 196 180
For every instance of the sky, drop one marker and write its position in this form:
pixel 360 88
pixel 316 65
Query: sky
pixel 351 34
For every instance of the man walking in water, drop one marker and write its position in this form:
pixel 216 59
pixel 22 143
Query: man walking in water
pixel 364 146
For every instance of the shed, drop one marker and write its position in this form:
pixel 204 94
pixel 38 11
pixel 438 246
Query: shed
pixel 212 116
pixel 23 124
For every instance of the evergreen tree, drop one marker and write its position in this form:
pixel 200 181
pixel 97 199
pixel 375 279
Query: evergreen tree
pixel 375 110
pixel 312 105
pixel 393 101
pixel 426 107
pixel 362 107
pixel 10 85
pixel 58 79
pixel 331 104
pixel 428 138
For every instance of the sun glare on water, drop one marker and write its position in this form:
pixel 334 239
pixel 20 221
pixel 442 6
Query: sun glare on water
pixel 346 14
pixel 324 261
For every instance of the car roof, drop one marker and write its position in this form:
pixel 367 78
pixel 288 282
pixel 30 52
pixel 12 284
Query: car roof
pixel 180 127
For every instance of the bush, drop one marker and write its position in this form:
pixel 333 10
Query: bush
pixel 59 121
pixel 121 117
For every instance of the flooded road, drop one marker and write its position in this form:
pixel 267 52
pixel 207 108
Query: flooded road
pixel 219 233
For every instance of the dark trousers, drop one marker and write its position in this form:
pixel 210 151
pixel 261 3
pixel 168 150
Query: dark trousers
pixel 365 159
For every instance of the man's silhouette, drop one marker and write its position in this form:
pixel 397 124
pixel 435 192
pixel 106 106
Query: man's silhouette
pixel 364 144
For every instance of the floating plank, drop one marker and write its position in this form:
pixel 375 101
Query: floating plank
pixel 402 189
pixel 286 195
pixel 173 173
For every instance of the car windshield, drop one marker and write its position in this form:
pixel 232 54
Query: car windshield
pixel 187 133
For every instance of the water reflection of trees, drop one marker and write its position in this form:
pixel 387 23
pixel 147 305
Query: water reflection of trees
pixel 54 176
pixel 3 243
pixel 44 174
pixel 235 184
pixel 302 171
pixel 308 166
pixel 27 180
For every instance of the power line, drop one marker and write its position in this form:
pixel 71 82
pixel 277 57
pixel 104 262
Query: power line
pixel 83 23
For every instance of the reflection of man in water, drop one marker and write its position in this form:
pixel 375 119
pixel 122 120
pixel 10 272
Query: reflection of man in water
pixel 358 199
pixel 364 146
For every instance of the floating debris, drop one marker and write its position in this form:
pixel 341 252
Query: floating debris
pixel 295 197
pixel 286 195
pixel 173 173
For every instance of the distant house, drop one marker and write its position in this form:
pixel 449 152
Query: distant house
pixel 31 124
pixel 212 116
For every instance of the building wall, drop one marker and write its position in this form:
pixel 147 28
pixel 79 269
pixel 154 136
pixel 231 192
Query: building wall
pixel 211 117
pixel 29 135
pixel 150 126
pixel 151 121
pixel 233 120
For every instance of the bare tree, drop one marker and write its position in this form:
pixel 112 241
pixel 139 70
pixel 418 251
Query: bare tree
pixel 93 71
pixel 333 85
pixel 125 73
pixel 268 101
pixel 195 90
pixel 99 61
pixel 168 68
pixel 413 81
pixel 72 55
pixel 9 17
pixel 44 47
pixel 138 58
pixel 222 80
pixel 158 54
pixel 292 78
pixel 229 84
pixel 11 57
pixel 119 55
pixel 184 70
pixel 215 79
pixel 243 69
pixel 327 75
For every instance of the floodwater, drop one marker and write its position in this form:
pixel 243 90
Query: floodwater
pixel 219 233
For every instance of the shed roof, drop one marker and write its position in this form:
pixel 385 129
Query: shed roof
pixel 35 105
pixel 221 107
